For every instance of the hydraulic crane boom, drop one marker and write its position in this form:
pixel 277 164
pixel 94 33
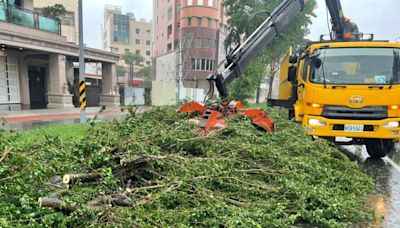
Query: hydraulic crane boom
pixel 241 57
pixel 337 16
pixel 342 28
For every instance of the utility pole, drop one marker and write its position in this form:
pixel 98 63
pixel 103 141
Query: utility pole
pixel 82 83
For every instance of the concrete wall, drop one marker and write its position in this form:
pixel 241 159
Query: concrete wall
pixel 166 67
pixel 163 93
pixel 27 4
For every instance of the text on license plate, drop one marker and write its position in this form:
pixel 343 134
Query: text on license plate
pixel 353 128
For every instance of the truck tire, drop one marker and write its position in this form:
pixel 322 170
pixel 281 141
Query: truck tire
pixel 379 148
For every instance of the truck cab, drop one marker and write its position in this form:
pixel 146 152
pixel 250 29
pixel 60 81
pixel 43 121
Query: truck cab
pixel 346 89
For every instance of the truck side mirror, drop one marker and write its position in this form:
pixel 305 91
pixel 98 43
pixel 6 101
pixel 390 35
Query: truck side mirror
pixel 317 62
pixel 292 73
pixel 293 59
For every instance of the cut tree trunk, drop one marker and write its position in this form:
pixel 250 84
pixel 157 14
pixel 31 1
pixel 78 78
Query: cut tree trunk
pixel 57 204
pixel 81 177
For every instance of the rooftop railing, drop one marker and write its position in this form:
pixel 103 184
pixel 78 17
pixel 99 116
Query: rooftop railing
pixel 20 16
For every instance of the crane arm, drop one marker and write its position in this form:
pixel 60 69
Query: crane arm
pixel 337 16
pixel 342 28
pixel 241 57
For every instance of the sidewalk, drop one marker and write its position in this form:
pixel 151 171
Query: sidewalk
pixel 54 114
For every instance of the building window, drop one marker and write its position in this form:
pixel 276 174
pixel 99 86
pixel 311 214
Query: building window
pixel 137 41
pixel 121 28
pixel 209 43
pixel 169 13
pixel 203 64
pixel 209 24
pixel 169 31
pixel 217 4
pixel 148 42
pixel 210 3
pixel 68 19
pixel 199 21
pixel 200 2
pixel 169 47
pixel 190 2
pixel 216 24
pixel 138 31
pixel 189 21
pixel 193 67
pixel 198 43
pixel 148 53
pixel 198 64
pixel 178 25
pixel 148 32
pixel 148 63
pixel 127 50
pixel 178 7
pixel 137 52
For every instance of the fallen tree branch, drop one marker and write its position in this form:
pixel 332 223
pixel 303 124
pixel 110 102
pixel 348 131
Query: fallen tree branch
pixel 57 204
pixel 112 200
pixel 81 177
pixel 7 150
pixel 146 188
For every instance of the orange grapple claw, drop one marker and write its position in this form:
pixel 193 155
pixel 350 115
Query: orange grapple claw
pixel 260 118
pixel 192 107
pixel 212 117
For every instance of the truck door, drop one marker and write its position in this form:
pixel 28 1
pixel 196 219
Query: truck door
pixel 285 86
pixel 301 90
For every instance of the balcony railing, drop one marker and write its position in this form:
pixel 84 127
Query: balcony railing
pixel 20 16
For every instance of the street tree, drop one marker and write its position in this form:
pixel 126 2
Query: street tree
pixel 132 59
pixel 244 17
pixel 120 71
pixel 147 75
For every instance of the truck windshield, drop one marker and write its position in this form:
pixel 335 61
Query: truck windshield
pixel 356 66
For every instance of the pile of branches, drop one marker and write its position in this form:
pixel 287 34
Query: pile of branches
pixel 153 170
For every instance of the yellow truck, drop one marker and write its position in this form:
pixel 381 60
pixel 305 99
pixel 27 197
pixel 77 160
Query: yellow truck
pixel 345 89
pixel 345 86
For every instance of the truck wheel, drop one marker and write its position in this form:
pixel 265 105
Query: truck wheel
pixel 379 148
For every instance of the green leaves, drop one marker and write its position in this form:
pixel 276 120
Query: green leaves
pixel 237 177
pixel 56 10
pixel 244 17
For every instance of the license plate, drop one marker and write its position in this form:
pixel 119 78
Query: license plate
pixel 353 128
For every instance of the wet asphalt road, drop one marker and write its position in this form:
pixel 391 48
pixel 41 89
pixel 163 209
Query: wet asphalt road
pixel 385 198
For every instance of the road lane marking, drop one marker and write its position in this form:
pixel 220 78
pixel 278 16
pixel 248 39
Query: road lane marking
pixel 392 163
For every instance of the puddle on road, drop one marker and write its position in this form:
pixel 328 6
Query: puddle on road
pixel 385 199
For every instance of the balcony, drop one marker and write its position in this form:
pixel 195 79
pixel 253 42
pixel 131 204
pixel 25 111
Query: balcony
pixel 24 17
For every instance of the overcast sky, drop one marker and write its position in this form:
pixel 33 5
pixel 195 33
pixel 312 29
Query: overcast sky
pixel 380 17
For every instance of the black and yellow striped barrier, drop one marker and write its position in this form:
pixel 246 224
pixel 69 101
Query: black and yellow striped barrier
pixel 82 95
